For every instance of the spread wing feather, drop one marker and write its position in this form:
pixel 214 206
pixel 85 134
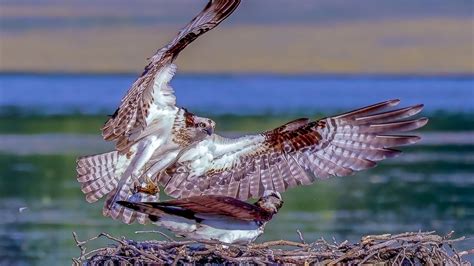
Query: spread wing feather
pixel 202 206
pixel 151 93
pixel 298 153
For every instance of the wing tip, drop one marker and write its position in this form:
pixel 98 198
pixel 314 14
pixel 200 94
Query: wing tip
pixel 407 140
pixel 402 139
pixel 393 153
pixel 393 102
pixel 91 198
pixel 415 109
pixel 423 121
pixel 420 105
pixel 419 123
pixel 413 140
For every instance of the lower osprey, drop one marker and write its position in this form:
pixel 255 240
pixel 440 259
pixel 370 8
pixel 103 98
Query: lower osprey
pixel 221 218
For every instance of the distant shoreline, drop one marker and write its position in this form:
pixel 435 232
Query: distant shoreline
pixel 51 143
pixel 323 75
pixel 32 122
pixel 425 46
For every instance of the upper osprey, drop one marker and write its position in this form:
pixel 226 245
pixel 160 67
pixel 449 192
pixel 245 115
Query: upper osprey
pixel 158 143
pixel 148 128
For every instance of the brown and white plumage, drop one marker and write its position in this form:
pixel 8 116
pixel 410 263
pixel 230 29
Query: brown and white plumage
pixel 210 217
pixel 149 92
pixel 148 128
pixel 298 153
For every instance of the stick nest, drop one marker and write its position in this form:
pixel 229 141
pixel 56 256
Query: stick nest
pixel 411 248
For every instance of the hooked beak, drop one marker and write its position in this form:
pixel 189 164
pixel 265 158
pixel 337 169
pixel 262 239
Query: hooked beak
pixel 209 131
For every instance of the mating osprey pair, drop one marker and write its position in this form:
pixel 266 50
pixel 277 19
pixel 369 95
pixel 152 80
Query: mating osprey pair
pixel 160 144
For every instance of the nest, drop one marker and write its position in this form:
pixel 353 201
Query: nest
pixel 411 248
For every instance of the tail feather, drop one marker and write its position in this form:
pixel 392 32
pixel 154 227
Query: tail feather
pixel 119 212
pixel 98 174
pixel 144 208
pixel 99 183
pixel 110 208
pixel 104 159
pixel 92 172
pixel 95 195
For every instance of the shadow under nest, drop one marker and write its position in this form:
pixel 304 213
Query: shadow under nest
pixel 410 248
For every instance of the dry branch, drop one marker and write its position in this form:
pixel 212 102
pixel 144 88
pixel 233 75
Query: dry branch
pixel 411 248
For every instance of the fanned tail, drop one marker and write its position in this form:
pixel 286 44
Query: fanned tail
pixel 99 176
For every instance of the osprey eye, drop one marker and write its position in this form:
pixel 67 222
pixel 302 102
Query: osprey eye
pixel 201 124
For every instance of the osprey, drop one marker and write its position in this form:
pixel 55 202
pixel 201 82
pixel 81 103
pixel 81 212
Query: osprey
pixel 148 128
pixel 209 217
pixel 159 144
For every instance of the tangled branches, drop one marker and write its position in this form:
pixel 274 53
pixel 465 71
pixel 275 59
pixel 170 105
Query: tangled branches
pixel 411 248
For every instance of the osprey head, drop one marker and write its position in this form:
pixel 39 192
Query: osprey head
pixel 271 201
pixel 201 124
pixel 204 125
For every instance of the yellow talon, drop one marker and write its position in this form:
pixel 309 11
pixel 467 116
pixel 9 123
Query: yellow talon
pixel 150 188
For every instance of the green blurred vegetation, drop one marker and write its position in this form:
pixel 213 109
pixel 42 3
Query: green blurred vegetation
pixel 91 124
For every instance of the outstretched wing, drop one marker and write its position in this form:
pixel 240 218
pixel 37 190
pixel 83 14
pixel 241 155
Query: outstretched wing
pixel 151 96
pixel 201 207
pixel 298 153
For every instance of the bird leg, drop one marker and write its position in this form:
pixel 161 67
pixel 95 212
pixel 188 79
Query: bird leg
pixel 144 152
pixel 150 187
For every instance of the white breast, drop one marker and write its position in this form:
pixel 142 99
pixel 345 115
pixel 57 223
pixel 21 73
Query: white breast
pixel 223 230
pixel 179 225
pixel 227 236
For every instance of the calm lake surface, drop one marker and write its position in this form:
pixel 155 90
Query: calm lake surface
pixel 239 94
pixel 429 187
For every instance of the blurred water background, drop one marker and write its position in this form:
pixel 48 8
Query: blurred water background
pixel 49 120
pixel 64 65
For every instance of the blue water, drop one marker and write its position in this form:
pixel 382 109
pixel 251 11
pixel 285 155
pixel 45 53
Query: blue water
pixel 238 94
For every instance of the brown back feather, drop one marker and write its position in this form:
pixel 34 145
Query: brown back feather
pixel 193 207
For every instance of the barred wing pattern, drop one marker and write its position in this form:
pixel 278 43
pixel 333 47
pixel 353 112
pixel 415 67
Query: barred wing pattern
pixel 298 153
pixel 151 93
pixel 99 176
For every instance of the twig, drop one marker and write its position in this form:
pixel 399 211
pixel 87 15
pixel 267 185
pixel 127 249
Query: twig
pixel 157 232
pixel 79 244
pixel 279 243
pixel 406 248
pixel 300 236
